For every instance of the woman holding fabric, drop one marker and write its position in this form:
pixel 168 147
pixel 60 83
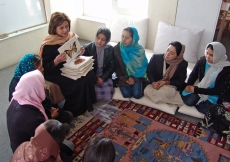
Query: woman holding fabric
pixel 131 64
pixel 167 73
pixel 212 71
pixel 80 93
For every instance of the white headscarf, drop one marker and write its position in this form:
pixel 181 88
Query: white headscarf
pixel 219 62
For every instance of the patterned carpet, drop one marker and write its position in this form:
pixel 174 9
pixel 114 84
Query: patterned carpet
pixel 140 133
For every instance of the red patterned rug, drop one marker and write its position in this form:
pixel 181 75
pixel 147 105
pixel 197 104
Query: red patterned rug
pixel 141 133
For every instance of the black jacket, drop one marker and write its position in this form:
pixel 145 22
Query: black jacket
pixel 155 71
pixel 198 73
pixel 108 62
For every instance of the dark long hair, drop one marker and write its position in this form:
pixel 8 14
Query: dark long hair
pixel 37 61
pixel 106 32
pixel 57 18
pixel 130 30
pixel 99 149
pixel 56 130
pixel 178 47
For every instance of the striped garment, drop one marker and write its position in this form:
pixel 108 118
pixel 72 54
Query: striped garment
pixel 104 91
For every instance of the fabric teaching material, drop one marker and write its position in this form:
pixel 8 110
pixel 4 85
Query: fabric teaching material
pixel 76 66
pixel 71 48
pixel 55 39
pixel 75 70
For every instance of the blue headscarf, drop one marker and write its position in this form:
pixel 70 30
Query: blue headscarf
pixel 134 57
pixel 25 65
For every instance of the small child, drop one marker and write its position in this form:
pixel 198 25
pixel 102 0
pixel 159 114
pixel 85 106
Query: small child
pixel 45 145
pixel 99 149
pixel 104 64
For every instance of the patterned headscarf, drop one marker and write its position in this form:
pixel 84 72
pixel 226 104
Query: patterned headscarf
pixel 134 57
pixel 33 94
pixel 41 147
pixel 25 65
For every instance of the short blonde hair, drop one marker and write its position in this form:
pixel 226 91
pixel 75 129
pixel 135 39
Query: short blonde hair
pixel 57 18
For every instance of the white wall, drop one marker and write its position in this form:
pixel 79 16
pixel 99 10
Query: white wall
pixel 12 49
pixel 73 8
pixel 197 14
pixel 159 10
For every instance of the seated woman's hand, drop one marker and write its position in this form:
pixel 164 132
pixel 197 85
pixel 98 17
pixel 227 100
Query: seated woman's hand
pixel 130 81
pixel 54 112
pixel 189 88
pixel 82 50
pixel 99 81
pixel 155 85
pixel 60 58
pixel 161 83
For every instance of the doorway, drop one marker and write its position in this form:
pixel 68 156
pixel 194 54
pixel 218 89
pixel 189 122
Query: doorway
pixel 222 32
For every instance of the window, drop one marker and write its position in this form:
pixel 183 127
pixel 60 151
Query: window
pixel 21 14
pixel 107 8
pixel 98 8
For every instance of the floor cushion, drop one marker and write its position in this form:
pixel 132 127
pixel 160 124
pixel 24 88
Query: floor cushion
pixel 145 100
pixel 191 111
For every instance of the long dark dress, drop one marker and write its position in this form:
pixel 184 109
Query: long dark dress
pixel 22 120
pixel 80 93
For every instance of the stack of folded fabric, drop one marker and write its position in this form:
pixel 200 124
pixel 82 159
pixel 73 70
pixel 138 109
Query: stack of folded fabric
pixel 76 66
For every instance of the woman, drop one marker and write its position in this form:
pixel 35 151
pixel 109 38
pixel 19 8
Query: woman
pixel 80 93
pixel 167 73
pixel 30 62
pixel 25 112
pixel 211 70
pixel 44 146
pixel 99 149
pixel 131 64
pixel 104 64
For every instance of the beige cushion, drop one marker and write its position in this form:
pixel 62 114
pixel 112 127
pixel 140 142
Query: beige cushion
pixel 191 111
pixel 171 109
pixel 118 96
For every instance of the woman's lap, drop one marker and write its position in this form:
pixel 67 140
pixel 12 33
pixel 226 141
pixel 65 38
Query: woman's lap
pixel 192 100
pixel 135 90
pixel 105 91
pixel 79 94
